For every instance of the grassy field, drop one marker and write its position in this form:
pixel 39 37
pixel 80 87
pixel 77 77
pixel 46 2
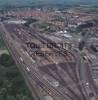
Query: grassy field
pixel 4 51
pixel 12 85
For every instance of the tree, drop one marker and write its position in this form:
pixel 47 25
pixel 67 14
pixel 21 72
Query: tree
pixel 3 92
pixel 11 98
pixel 6 60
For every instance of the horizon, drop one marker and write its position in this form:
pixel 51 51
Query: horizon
pixel 31 2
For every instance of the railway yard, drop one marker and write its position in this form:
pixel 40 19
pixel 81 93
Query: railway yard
pixel 55 53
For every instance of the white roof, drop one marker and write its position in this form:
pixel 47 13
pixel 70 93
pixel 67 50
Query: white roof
pixel 16 21
pixel 60 32
pixel 65 31
pixel 67 36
